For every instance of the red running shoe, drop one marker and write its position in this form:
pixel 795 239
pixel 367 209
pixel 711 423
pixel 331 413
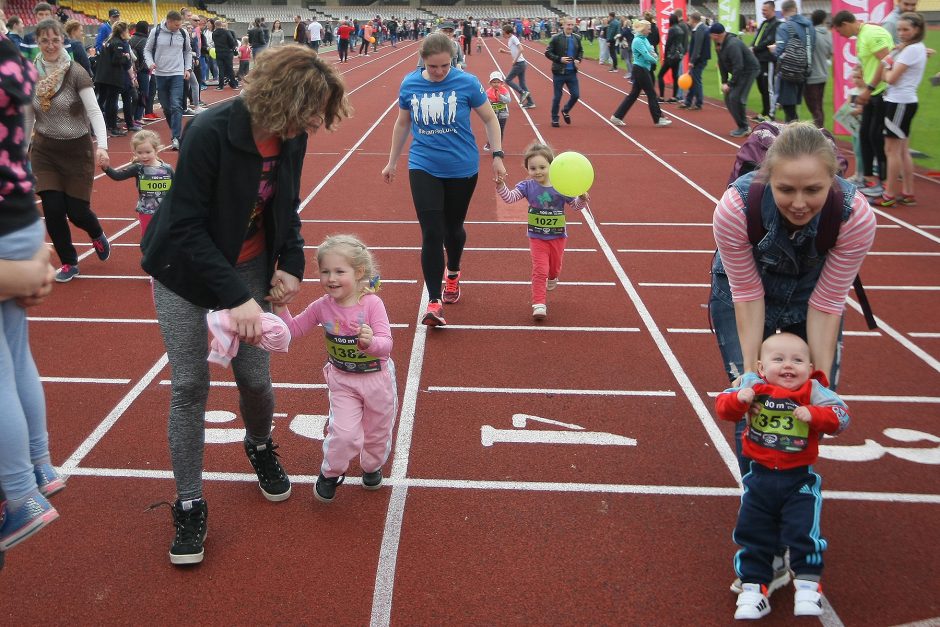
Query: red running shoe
pixel 435 315
pixel 451 289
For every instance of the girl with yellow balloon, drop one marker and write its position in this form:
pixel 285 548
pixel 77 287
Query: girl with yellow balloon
pixel 553 183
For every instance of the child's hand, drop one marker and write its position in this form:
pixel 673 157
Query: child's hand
pixel 365 336
pixel 276 293
pixel 585 197
pixel 746 396
pixel 803 414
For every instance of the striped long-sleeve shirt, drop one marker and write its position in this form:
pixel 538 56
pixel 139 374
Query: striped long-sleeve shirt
pixel 842 262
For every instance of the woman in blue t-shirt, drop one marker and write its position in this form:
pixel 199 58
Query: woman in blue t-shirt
pixel 434 104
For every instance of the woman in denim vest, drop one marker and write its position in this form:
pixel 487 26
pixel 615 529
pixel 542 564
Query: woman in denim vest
pixel 782 283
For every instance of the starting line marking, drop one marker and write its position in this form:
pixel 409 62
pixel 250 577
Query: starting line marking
pixel 525 486
pixel 440 388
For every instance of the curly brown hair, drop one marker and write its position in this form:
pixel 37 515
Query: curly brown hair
pixel 289 85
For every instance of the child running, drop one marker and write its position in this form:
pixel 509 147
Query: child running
pixel 789 407
pixel 359 373
pixel 498 95
pixel 547 232
pixel 154 177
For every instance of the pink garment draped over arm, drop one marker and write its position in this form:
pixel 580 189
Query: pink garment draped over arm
pixel 223 346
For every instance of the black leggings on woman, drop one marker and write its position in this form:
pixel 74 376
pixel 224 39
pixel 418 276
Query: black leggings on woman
pixel 642 81
pixel 442 206
pixel 59 209
pixel 667 66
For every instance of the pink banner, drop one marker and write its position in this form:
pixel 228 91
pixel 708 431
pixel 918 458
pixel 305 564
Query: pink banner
pixel 843 50
pixel 645 5
pixel 665 8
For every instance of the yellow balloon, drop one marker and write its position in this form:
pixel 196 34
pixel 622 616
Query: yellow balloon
pixel 212 52
pixel 571 174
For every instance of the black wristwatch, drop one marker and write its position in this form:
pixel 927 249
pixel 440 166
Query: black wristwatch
pixel 499 153
pixel 871 87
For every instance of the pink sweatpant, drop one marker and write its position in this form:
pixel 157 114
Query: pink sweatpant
pixel 546 264
pixel 362 413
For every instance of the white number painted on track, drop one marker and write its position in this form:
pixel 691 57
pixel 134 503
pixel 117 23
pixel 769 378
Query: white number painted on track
pixel 573 434
pixel 305 425
pixel 872 450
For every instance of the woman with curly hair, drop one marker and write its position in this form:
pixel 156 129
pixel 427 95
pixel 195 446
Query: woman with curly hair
pixel 227 237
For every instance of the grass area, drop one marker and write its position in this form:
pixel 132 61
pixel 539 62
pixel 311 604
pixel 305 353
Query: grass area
pixel 925 130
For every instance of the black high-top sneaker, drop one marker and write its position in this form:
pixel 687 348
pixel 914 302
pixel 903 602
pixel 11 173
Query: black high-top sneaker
pixel 272 479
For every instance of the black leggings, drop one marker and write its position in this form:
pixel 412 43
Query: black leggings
pixel 441 205
pixel 872 139
pixel 642 81
pixel 59 209
pixel 674 66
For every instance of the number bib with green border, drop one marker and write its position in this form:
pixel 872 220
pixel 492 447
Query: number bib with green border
pixel 155 185
pixel 546 221
pixel 776 428
pixel 344 354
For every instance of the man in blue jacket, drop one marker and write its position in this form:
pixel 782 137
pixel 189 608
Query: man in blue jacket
pixel 565 52
pixel 700 51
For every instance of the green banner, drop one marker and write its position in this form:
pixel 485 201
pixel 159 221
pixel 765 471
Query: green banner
pixel 728 12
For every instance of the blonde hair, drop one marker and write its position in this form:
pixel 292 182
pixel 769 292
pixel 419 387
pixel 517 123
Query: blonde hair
pixel 290 84
pixel 71 26
pixel 640 25
pixel 145 137
pixel 245 40
pixel 435 43
pixel 359 257
pixel 536 149
pixel 796 141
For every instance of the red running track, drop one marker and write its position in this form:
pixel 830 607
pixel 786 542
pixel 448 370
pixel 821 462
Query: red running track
pixel 569 472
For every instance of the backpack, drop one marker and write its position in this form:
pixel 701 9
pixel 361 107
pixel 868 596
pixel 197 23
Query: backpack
pixel 796 60
pixel 751 153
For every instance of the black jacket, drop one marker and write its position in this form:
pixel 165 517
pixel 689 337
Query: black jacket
pixel 258 37
pixel 736 59
pixel 700 51
pixel 138 43
pixel 766 35
pixel 193 242
pixel 224 41
pixel 558 48
pixel 113 63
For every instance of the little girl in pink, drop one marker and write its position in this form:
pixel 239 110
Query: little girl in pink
pixel 359 373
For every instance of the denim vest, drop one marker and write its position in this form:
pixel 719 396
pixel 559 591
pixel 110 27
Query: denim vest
pixel 788 264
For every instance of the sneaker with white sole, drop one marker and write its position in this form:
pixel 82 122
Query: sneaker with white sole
pixel 20 523
pixel 190 527
pixel 617 121
pixel 663 122
pixel 48 479
pixel 372 480
pixel 325 488
pixel 807 600
pixel 66 273
pixel 102 246
pixel 539 311
pixel 551 284
pixel 175 144
pixel 752 602
pixel 781 577
pixel 273 481
pixel 873 191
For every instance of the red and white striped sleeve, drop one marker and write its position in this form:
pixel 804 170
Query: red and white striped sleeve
pixel 844 260
pixel 729 225
pixel 508 195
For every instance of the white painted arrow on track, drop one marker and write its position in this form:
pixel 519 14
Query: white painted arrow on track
pixel 490 435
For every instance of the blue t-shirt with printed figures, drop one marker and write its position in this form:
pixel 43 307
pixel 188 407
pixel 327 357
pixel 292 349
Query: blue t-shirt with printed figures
pixel 442 141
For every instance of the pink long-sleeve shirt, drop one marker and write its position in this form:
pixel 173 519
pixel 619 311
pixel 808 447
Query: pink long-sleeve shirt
pixel 341 328
pixel 842 262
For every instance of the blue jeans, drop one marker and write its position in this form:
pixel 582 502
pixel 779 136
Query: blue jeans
pixel 725 328
pixel 558 82
pixel 24 440
pixel 696 94
pixel 170 92
pixel 518 69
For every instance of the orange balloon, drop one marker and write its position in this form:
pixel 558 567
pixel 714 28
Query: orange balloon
pixel 685 81
pixel 372 41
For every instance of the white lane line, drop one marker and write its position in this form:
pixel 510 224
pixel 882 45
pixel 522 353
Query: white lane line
pixel 932 336
pixel 711 251
pixel 887 329
pixel 558 391
pixel 509 327
pixel 84 380
pixel 709 332
pixel 92 320
pixel 493 222
pixel 907 225
pixel 874 288
pixel 563 283
pixel 705 224
pixel 102 429
pixel 877 398
pixel 391 533
pixel 284 386
pixel 116 235
pixel 522 486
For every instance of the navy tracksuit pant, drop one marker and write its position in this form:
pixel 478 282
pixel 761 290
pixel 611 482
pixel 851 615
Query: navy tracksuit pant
pixel 779 508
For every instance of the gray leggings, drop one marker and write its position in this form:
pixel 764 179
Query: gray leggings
pixel 186 336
